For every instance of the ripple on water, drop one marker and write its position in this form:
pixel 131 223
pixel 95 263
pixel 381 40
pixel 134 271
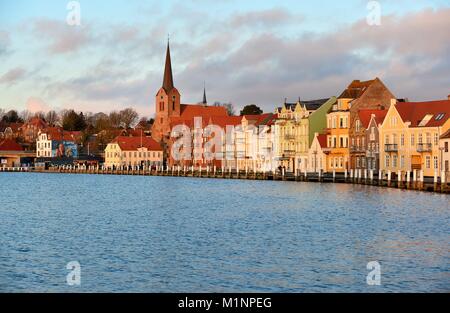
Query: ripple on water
pixel 163 234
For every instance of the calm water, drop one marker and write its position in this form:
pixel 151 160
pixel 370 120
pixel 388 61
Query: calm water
pixel 157 234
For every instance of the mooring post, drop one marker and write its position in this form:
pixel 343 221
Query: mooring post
pixel 435 180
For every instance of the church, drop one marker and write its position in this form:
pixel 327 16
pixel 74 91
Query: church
pixel 170 111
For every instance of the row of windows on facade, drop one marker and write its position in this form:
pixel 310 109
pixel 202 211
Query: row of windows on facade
pixel 333 142
pixel 134 154
pixel 332 122
pixel 161 106
pixel 388 161
pixel 44 145
pixel 394 139
pixel 43 154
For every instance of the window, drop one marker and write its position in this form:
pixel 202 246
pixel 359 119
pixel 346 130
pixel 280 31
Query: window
pixel 446 146
pixel 436 139
pixel 436 162
pixel 358 125
pixel 393 121
pixel 402 161
pixel 394 161
pixel 428 162
pixel 413 140
pixel 358 164
pixel 428 138
pixel 386 139
pixel 402 140
pixel 440 116
pixel 372 133
pixel 420 141
pixel 387 161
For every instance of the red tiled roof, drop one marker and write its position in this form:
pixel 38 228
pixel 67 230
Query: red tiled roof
pixel 35 122
pixel 366 115
pixel 189 111
pixel 56 133
pixel 133 143
pixel 322 138
pixel 224 121
pixel 10 145
pixel 415 112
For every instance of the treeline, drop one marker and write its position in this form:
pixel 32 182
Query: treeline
pixel 71 120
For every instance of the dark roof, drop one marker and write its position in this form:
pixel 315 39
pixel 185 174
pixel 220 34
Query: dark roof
pixel 356 89
pixel 204 96
pixel 446 135
pixel 168 77
pixel 313 105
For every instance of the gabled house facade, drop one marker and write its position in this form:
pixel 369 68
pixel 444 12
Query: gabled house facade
pixel 410 136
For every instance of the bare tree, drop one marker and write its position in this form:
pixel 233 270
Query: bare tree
pixel 128 117
pixel 26 115
pixel 52 118
pixel 101 121
pixel 114 119
pixel 228 106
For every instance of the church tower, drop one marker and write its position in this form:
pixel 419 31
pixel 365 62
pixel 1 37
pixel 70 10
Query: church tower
pixel 167 103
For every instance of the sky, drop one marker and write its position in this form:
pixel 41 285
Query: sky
pixel 245 51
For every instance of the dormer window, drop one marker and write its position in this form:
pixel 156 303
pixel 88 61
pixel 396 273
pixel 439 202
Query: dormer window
pixel 425 120
pixel 440 116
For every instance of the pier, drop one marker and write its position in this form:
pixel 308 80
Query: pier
pixel 413 180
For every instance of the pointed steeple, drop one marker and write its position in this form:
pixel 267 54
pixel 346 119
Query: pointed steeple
pixel 168 77
pixel 204 95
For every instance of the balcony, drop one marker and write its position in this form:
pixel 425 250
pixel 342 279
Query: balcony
pixel 354 149
pixel 424 147
pixel 289 137
pixel 289 153
pixel 391 148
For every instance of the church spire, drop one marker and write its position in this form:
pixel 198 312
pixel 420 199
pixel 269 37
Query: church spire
pixel 204 95
pixel 168 77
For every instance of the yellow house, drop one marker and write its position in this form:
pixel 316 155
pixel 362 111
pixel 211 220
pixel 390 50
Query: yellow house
pixel 409 137
pixel 295 130
pixel 133 151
